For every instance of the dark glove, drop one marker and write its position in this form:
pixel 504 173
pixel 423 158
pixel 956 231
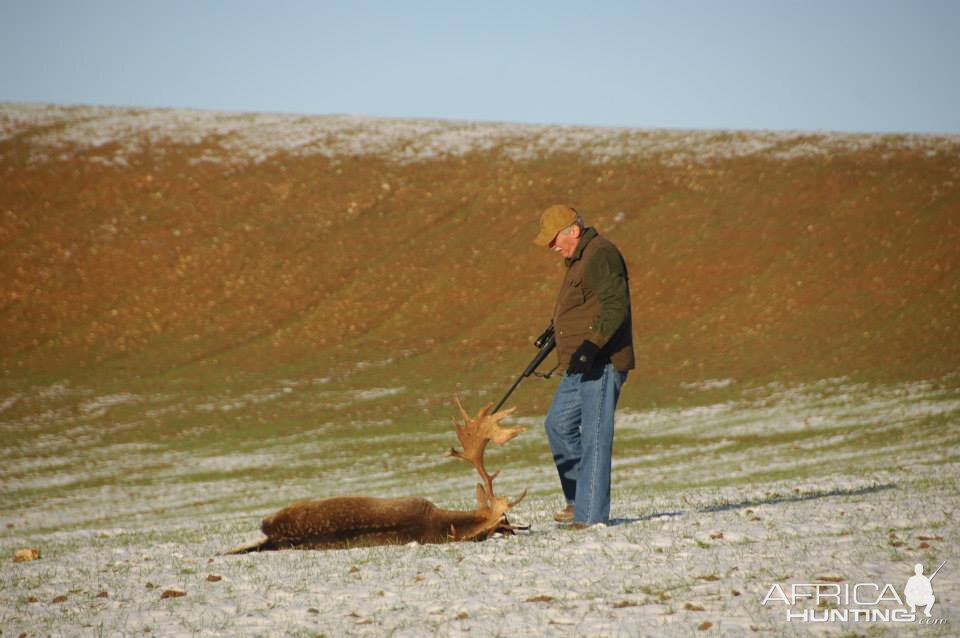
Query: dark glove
pixel 582 359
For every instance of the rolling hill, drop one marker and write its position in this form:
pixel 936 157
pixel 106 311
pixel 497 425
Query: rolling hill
pixel 168 247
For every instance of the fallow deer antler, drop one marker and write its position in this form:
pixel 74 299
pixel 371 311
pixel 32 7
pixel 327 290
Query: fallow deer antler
pixel 474 435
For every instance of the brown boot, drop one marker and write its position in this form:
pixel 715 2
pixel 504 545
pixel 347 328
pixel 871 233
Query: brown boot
pixel 565 515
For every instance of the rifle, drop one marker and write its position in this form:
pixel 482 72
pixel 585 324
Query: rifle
pixel 931 575
pixel 546 342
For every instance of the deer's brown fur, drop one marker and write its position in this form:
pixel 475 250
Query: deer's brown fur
pixel 346 521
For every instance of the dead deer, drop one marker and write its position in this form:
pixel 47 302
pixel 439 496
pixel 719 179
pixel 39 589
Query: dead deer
pixel 349 521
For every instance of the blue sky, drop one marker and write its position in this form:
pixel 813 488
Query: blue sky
pixel 809 65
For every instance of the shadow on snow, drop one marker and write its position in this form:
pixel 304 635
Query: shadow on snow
pixel 774 499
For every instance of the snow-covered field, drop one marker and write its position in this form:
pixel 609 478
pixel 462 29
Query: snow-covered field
pixel 831 483
pixel 111 135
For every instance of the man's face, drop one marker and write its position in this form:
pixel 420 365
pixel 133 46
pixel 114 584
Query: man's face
pixel 566 241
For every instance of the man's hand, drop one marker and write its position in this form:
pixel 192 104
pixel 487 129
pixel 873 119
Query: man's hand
pixel 582 359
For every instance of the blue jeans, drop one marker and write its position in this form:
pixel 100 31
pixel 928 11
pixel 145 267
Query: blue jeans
pixel 580 430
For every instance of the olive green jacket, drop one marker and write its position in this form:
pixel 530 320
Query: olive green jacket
pixel 594 303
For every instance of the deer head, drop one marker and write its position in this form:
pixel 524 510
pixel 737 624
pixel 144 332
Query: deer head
pixel 474 434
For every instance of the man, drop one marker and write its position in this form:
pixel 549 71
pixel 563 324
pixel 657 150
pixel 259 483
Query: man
pixel 919 591
pixel 595 345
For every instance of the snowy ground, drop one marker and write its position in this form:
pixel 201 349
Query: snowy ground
pixel 832 483
pixel 112 135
